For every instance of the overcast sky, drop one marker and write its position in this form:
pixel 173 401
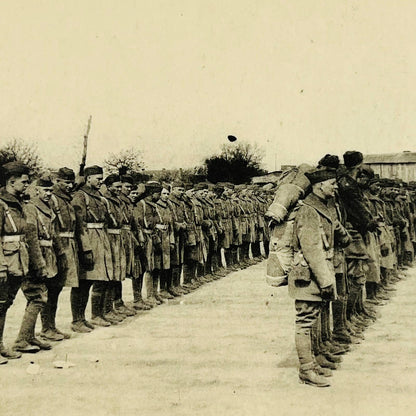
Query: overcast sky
pixel 300 78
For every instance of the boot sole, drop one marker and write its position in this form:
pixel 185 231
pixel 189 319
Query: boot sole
pixel 313 384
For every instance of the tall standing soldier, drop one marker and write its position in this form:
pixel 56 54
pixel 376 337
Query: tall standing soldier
pixel 96 265
pixel 180 226
pixel 129 229
pixel 164 230
pixel 68 271
pixel 312 278
pixel 113 312
pixel 14 257
pixel 44 254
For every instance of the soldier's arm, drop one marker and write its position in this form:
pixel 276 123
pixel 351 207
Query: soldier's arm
pixel 3 263
pixel 310 240
pixel 36 260
pixel 57 241
pixel 341 235
pixel 78 202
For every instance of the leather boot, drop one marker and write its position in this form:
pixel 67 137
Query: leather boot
pixel 27 329
pixel 312 378
pixel 322 371
pixel 78 324
pixel 332 357
pixel 323 362
pixel 48 326
pixel 97 310
pixel 5 352
pixel 109 314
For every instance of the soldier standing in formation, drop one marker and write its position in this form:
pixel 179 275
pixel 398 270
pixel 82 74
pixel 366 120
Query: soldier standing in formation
pixel 352 235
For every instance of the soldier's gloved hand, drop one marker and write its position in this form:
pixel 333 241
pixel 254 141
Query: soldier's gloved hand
pixel 172 246
pixel 328 293
pixel 62 262
pixel 87 260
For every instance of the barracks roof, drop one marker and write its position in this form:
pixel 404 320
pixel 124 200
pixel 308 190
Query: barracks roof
pixel 391 158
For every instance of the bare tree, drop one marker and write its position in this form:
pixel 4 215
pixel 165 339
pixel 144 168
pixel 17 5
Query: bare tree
pixel 20 150
pixel 127 160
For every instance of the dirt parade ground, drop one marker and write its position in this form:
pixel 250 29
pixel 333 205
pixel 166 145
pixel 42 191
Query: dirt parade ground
pixel 225 349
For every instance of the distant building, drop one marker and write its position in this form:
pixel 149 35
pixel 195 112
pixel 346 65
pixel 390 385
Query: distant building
pixel 394 165
pixel 270 177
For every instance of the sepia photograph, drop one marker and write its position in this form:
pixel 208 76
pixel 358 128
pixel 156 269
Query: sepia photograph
pixel 207 208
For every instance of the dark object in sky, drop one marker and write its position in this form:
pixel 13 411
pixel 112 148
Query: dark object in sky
pixel 232 138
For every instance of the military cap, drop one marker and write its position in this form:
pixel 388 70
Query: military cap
pixel 178 184
pixel 352 158
pixel 93 170
pixel 66 173
pixel 329 161
pixel 320 175
pixel 367 171
pixel 153 187
pixel 44 181
pixel 127 179
pixel 110 179
pixel 15 169
pixel 200 186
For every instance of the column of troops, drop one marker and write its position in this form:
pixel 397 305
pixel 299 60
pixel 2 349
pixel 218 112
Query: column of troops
pixel 353 234
pixel 168 239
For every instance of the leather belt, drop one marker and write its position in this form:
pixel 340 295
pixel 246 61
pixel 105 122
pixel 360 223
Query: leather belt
pixel 12 238
pixel 96 225
pixel 45 243
pixel 115 231
pixel 66 234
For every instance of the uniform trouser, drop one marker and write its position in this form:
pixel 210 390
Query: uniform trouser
pixel 339 306
pixel 48 314
pixel 176 275
pixel 353 302
pixel 118 293
pixel 307 314
pixel 137 284
pixel 100 289
pixel 35 292
pixel 164 277
pixel 155 281
pixel 110 300
pixel 79 300
pixel 8 291
pixel 189 270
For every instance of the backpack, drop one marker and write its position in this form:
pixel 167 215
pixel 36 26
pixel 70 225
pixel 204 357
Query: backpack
pixel 280 260
pixel 293 186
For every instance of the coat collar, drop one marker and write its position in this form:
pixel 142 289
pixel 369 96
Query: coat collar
pixel 162 203
pixel 91 192
pixel 315 202
pixel 174 200
pixel 63 195
pixel 124 199
pixel 109 196
pixel 10 199
pixel 42 206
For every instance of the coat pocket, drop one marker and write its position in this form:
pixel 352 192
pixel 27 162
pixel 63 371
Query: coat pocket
pixel 11 252
pixel 300 271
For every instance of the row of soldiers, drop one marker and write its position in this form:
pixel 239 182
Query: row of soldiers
pixel 353 234
pixel 167 239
